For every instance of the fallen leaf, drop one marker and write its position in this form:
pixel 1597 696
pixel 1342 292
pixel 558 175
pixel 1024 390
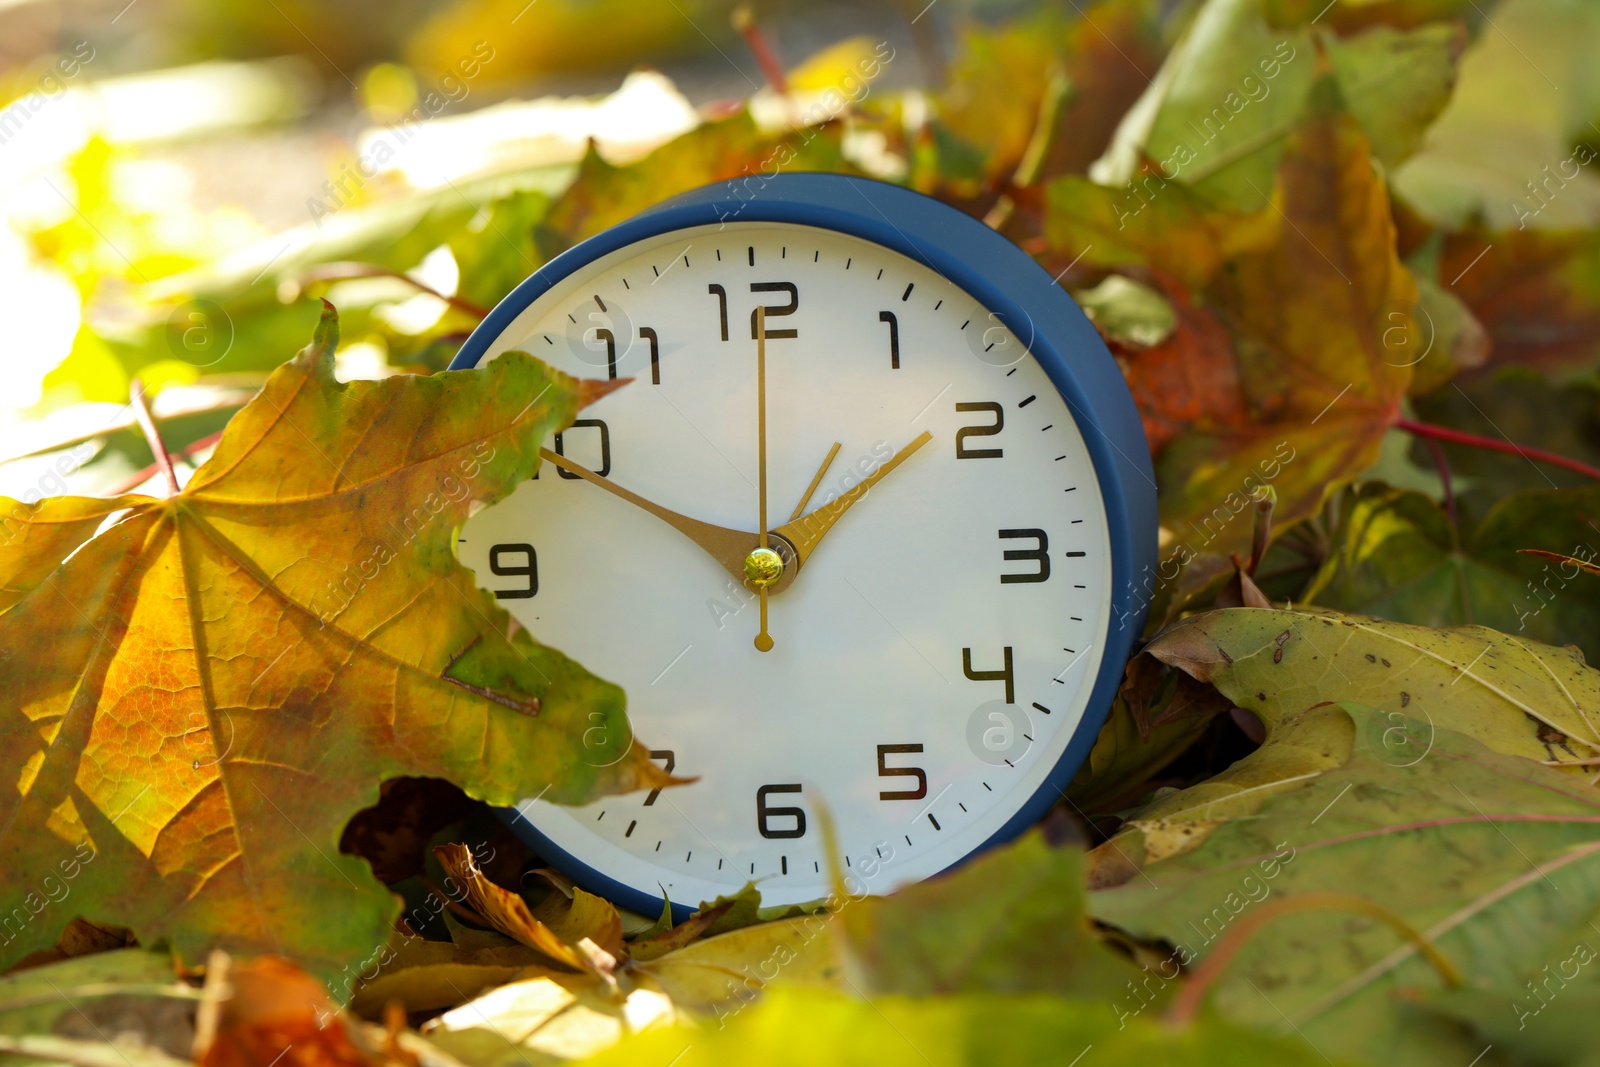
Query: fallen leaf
pixel 1521 406
pixel 795 1027
pixel 1312 316
pixel 1449 338
pixel 1043 91
pixel 718 976
pixel 1158 713
pixel 576 946
pixel 1491 858
pixel 1127 313
pixel 266 1011
pixel 1288 667
pixel 1156 223
pixel 1546 1020
pixel 669 938
pixel 1519 697
pixel 1534 291
pixel 427 975
pixel 1189 379
pixel 41 999
pixel 1009 921
pixel 232 671
pixel 1396 555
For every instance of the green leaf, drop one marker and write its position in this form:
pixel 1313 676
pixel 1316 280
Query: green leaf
pixel 807 1027
pixel 1217 114
pixel 1287 667
pixel 1517 405
pixel 1447 338
pixel 1545 1020
pixel 1010 921
pixel 1492 858
pixel 1525 93
pixel 1127 312
pixel 1512 694
pixel 1158 224
pixel 1395 555
pixel 33 1001
pixel 1396 83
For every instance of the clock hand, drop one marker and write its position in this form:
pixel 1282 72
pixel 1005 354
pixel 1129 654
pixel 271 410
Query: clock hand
pixel 728 547
pixel 762 566
pixel 806 533
pixel 815 481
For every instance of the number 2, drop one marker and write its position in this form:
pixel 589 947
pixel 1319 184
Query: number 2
pixel 962 451
pixel 773 311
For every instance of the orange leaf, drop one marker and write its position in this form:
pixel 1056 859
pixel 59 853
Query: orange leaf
pixel 269 1012
pixel 216 682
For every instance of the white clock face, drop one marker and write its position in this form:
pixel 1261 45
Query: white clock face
pixel 933 653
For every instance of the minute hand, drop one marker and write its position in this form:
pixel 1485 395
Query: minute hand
pixel 806 532
pixel 727 547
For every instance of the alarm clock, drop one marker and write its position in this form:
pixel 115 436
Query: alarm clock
pixel 859 537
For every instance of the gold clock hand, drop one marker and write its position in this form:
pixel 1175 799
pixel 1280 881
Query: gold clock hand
pixel 728 547
pixel 806 533
pixel 815 481
pixel 763 566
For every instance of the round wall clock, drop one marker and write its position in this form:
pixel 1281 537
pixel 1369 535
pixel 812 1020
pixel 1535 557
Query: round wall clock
pixel 861 535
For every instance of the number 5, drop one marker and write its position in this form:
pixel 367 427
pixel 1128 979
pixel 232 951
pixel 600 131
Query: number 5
pixel 886 771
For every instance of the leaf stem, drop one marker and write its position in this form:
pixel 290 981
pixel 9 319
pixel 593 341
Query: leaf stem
pixel 141 411
pixel 1187 1003
pixel 1444 433
pixel 333 272
pixel 1443 467
pixel 771 69
pixel 138 479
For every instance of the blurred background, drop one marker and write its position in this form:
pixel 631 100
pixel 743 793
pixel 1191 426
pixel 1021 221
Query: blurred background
pixel 181 178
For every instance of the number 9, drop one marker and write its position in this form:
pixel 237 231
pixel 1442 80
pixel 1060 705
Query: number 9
pixel 530 571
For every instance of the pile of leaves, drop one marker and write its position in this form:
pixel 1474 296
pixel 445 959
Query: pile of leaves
pixel 1344 809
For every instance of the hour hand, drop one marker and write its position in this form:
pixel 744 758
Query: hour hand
pixel 728 547
pixel 807 531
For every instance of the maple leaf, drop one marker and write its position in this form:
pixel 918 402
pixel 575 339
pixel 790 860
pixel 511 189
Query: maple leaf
pixel 733 149
pixel 1487 857
pixel 1521 698
pixel 218 680
pixel 1313 303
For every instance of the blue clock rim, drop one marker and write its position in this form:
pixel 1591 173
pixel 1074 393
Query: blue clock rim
pixel 1002 278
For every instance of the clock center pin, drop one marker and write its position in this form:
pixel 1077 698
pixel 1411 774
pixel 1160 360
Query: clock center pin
pixel 763 567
